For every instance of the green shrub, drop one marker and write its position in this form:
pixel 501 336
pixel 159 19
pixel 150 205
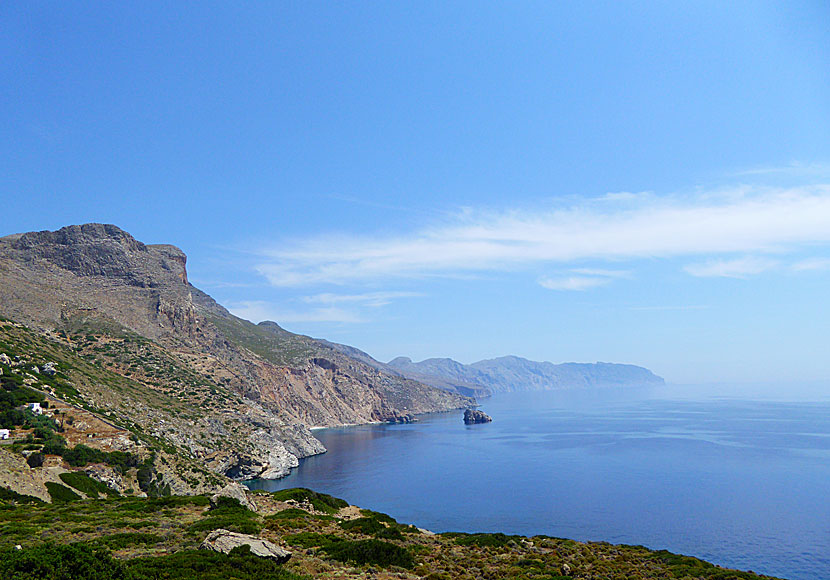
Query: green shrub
pixel 124 539
pixel 374 552
pixel 61 493
pixel 206 565
pixel 372 527
pixel 320 501
pixel 35 460
pixel 366 526
pixel 688 566
pixel 54 447
pixel 294 518
pixel 156 504
pixel 10 496
pixel 51 562
pixel 84 483
pixel 379 516
pixel 311 539
pixel 292 513
pixel 243 525
pixel 496 540
pixel 390 533
pixel 230 515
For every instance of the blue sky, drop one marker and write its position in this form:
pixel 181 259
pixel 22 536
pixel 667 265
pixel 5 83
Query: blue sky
pixel 628 182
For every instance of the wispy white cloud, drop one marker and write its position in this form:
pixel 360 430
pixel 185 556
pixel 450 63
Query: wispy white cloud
pixel 573 282
pixel 258 310
pixel 740 220
pixel 372 299
pixel 812 264
pixel 808 170
pixel 736 268
pixel 665 308
pixel 602 272
pixel 584 279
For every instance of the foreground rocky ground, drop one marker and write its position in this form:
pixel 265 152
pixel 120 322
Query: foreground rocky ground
pixel 138 538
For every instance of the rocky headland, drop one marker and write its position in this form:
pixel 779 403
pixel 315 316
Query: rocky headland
pixel 166 364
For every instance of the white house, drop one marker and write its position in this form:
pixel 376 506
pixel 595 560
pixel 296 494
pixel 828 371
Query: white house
pixel 4 433
pixel 35 408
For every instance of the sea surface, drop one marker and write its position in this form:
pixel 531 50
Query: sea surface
pixel 734 475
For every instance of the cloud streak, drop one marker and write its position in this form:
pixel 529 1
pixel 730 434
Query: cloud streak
pixel 586 278
pixel 573 283
pixel 372 299
pixel 259 310
pixel 739 221
pixel 737 268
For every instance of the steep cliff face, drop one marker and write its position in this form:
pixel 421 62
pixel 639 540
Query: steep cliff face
pixel 124 303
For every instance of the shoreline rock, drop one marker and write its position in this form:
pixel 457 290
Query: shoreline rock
pixel 474 416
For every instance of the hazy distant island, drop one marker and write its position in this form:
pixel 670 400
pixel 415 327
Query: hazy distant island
pixel 508 373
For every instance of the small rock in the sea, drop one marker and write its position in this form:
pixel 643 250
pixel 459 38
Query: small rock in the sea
pixel 472 416
pixel 406 418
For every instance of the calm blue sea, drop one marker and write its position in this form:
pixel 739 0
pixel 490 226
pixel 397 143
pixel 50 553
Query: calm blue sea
pixel 737 477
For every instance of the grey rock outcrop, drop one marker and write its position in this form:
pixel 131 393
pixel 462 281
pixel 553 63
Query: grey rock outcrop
pixel 224 541
pixel 473 416
pixel 235 491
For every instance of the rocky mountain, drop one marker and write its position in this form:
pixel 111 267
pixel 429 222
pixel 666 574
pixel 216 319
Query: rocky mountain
pixel 449 380
pixel 159 358
pixel 513 373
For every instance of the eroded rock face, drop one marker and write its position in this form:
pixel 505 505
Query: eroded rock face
pixel 473 416
pixel 224 541
pixel 104 250
pixel 267 385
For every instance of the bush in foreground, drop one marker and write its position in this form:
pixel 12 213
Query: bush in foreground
pixel 206 565
pixel 51 562
pixel 230 515
pixel 370 552
pixel 322 502
pixel 84 483
pixel 11 496
pixel 496 540
pixel 61 493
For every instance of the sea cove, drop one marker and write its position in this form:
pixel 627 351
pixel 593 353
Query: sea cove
pixel 742 483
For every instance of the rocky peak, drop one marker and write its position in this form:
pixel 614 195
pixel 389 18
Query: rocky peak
pixel 76 235
pixel 101 250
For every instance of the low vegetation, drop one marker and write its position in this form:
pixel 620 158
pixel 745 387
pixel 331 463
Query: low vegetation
pixel 130 538
pixel 319 501
pixel 86 485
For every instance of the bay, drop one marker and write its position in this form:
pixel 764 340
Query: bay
pixel 737 477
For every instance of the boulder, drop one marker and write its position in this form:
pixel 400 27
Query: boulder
pixel 236 491
pixel 224 541
pixel 49 369
pixel 472 416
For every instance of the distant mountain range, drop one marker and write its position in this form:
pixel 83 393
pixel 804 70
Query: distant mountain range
pixel 508 373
